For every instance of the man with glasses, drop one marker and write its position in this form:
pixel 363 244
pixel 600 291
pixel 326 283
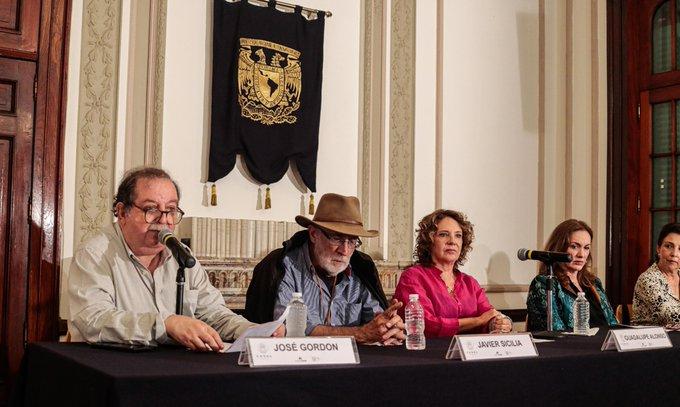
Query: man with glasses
pixel 122 281
pixel 339 284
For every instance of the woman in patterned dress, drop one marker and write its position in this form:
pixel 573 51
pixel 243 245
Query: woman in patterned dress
pixel 657 299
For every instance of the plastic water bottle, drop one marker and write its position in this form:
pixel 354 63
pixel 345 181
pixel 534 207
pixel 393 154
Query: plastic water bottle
pixel 581 314
pixel 415 324
pixel 296 321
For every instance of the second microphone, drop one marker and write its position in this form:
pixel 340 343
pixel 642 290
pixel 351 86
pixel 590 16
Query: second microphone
pixel 545 257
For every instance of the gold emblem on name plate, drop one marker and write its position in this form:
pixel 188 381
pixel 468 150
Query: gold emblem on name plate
pixel 269 87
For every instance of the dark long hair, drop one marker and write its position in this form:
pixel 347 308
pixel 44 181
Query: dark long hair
pixel 559 241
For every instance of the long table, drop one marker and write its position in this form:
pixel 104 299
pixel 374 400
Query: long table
pixel 570 371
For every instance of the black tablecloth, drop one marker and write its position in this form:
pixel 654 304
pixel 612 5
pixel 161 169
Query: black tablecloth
pixel 571 371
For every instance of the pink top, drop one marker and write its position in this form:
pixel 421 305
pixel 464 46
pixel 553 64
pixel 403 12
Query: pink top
pixel 442 309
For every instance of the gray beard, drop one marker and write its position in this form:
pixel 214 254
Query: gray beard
pixel 327 266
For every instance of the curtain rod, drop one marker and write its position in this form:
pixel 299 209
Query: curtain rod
pixel 291 5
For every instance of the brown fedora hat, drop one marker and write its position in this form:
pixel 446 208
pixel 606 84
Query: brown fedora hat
pixel 337 213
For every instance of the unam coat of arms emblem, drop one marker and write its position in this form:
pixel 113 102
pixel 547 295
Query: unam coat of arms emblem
pixel 269 87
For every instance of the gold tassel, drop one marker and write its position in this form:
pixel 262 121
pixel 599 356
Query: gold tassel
pixel 213 195
pixel 311 204
pixel 267 199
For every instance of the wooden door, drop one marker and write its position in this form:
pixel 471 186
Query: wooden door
pixel 17 80
pixel 33 44
pixel 644 64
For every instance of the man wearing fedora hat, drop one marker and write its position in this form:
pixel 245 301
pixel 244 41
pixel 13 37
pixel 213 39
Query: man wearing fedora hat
pixel 339 284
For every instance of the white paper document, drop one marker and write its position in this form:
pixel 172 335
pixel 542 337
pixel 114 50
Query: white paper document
pixel 266 330
pixel 539 340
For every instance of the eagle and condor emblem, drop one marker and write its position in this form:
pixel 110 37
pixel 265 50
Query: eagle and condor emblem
pixel 260 108
pixel 270 84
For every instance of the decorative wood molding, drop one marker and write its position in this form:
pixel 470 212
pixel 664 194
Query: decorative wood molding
pixel 506 288
pixel 229 250
pixel 571 131
pixel 156 75
pixel 97 116
pixel 371 150
pixel 439 106
pixel 401 132
pixel 399 230
pixel 232 277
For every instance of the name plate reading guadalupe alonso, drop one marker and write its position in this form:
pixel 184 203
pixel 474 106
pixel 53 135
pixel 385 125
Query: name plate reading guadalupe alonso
pixel 637 339
pixel 480 347
pixel 291 351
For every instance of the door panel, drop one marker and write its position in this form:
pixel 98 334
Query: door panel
pixel 16 148
pixel 19 28
pixel 5 164
pixel 659 169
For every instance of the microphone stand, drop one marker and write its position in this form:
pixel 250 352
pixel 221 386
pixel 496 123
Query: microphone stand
pixel 548 299
pixel 549 333
pixel 180 289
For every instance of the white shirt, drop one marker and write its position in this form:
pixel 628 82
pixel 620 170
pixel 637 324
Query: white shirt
pixel 114 298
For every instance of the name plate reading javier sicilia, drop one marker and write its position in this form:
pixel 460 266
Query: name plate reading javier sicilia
pixel 625 340
pixel 481 347
pixel 301 351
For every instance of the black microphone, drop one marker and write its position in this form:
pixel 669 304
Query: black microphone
pixel 545 257
pixel 179 251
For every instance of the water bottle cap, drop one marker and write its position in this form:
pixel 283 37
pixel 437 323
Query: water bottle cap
pixel 297 295
pixel 581 294
pixel 413 297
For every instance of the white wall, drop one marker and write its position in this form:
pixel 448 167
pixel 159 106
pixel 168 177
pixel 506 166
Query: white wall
pixel 425 110
pixel 490 126
pixel 186 123
pixel 490 123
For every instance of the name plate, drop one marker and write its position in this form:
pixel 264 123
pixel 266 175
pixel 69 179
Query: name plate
pixel 488 346
pixel 337 350
pixel 625 340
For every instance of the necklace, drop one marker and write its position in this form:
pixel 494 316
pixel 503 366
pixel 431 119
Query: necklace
pixel 450 285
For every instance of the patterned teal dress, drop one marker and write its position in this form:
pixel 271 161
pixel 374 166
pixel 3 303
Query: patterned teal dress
pixel 563 305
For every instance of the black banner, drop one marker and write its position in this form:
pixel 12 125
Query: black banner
pixel 266 91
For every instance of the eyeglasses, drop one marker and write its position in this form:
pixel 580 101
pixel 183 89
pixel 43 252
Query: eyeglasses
pixel 337 241
pixel 153 214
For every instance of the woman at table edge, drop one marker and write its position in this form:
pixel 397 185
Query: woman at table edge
pixel 574 237
pixel 656 299
pixel 453 302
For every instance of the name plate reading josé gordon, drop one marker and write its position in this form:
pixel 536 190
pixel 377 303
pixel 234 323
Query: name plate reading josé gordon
pixel 302 351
